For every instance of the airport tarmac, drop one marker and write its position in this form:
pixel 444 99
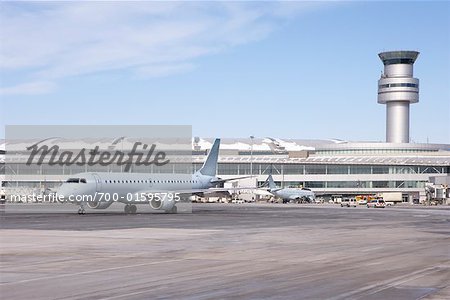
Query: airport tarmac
pixel 246 251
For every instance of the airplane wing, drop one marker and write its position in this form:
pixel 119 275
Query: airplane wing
pixel 297 196
pixel 189 192
pixel 263 192
pixel 220 180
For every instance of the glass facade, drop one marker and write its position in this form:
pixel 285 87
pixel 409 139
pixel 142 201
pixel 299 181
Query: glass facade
pixel 315 169
pixel 232 169
pixel 370 151
pixel 393 61
pixel 391 85
pixel 338 169
pixel 243 169
pixel 350 184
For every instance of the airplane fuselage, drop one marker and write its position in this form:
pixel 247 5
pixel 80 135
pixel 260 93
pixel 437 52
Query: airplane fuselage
pixel 129 188
pixel 293 194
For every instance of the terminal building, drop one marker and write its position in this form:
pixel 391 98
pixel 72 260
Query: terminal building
pixel 327 167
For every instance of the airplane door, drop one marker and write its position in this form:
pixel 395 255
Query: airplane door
pixel 150 182
pixel 98 183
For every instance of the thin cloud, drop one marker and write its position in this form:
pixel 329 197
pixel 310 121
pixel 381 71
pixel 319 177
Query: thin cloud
pixel 46 42
pixel 163 70
pixel 30 88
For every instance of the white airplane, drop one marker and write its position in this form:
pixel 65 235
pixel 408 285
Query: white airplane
pixel 290 194
pixel 162 191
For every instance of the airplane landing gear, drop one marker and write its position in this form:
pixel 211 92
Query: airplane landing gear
pixel 81 210
pixel 130 209
pixel 173 210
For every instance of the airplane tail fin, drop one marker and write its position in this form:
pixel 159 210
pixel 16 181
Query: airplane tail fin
pixel 209 167
pixel 272 184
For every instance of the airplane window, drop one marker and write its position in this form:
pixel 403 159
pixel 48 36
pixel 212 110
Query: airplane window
pixel 73 180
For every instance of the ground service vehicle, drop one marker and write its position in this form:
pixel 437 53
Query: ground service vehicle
pixel 377 203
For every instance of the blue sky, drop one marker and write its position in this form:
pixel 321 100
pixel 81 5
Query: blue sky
pixel 230 69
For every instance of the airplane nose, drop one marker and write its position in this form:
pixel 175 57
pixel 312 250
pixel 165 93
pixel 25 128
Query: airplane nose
pixel 62 194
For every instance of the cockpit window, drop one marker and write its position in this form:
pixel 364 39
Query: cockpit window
pixel 76 180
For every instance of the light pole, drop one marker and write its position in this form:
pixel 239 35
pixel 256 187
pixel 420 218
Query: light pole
pixel 251 155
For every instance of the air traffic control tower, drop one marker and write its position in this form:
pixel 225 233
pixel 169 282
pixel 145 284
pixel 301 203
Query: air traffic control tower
pixel 397 88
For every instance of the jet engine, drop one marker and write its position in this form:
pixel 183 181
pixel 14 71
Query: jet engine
pixel 99 204
pixel 160 204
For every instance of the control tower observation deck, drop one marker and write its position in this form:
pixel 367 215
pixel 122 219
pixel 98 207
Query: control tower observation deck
pixel 397 88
